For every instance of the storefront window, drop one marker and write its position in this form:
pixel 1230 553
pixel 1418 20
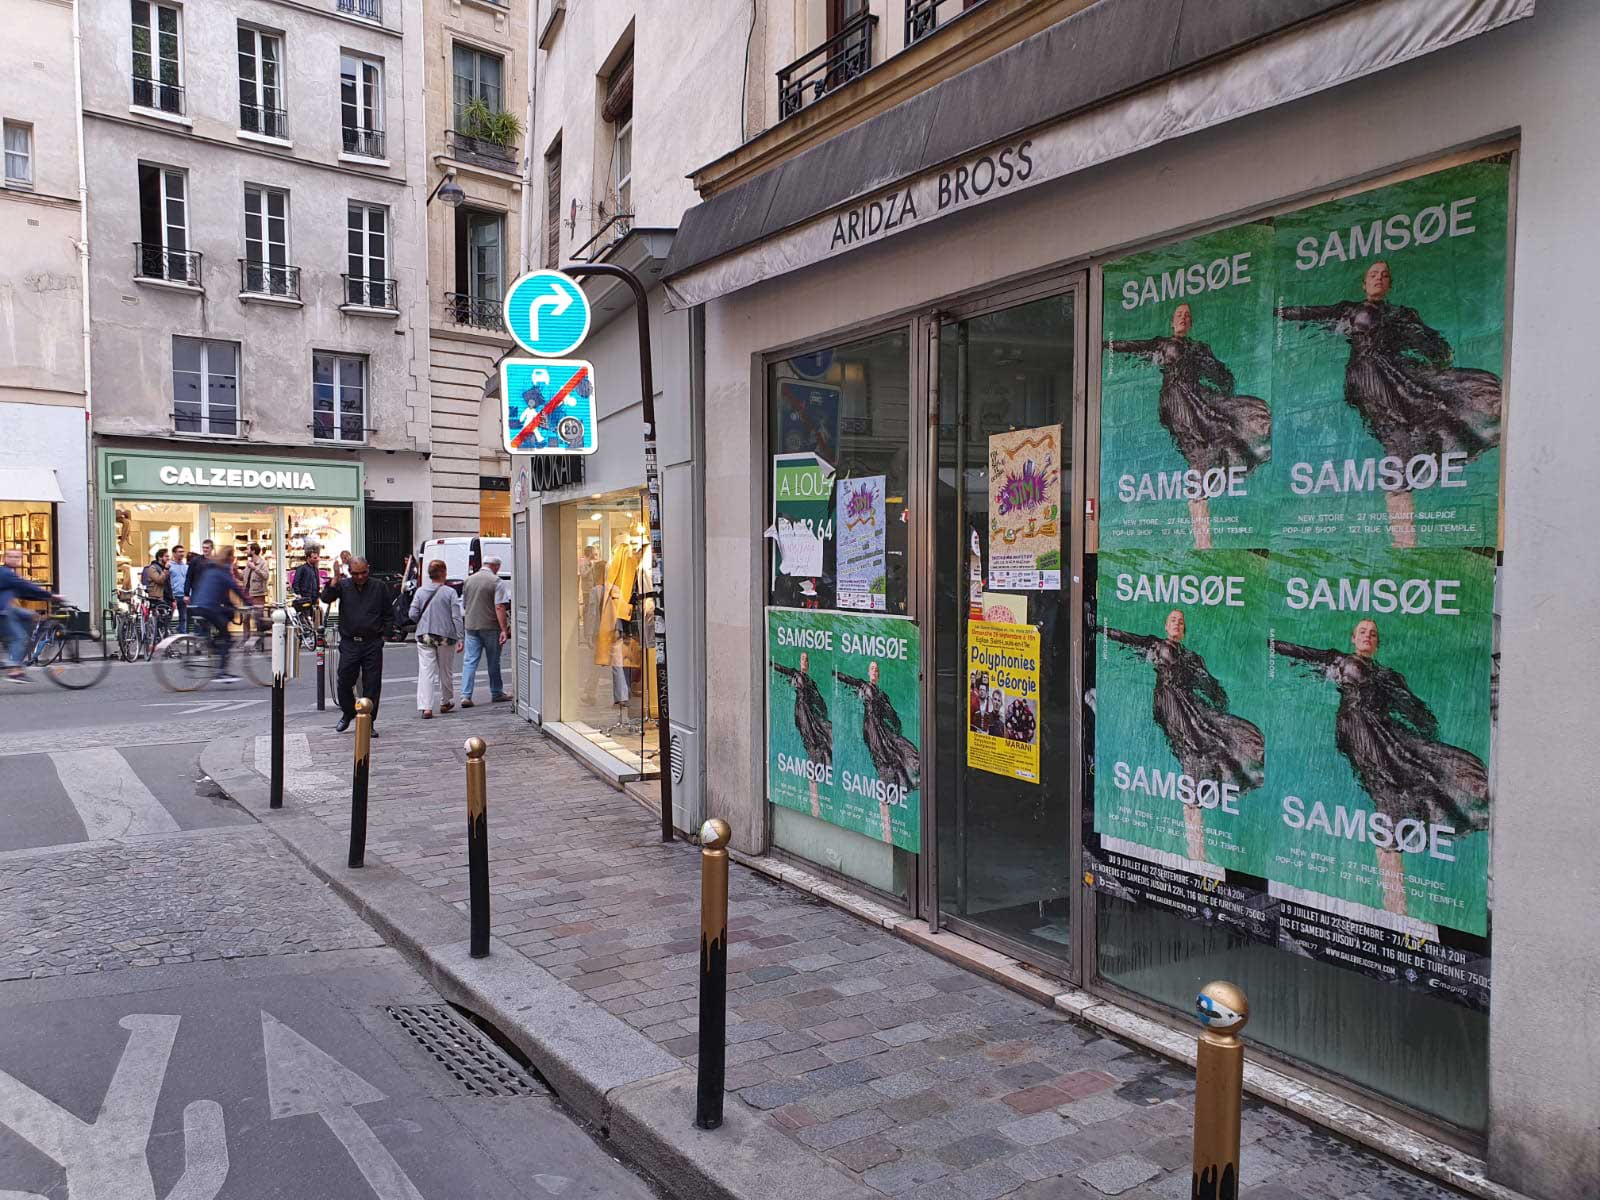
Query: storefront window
pixel 145 526
pixel 30 528
pixel 608 678
pixel 844 664
pixel 326 528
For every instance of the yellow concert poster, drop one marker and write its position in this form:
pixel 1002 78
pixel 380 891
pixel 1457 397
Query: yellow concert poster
pixel 1003 699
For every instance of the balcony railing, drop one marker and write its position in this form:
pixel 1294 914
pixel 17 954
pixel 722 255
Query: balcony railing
pixel 463 147
pixel 370 292
pixel 163 97
pixel 371 10
pixel 154 261
pixel 922 18
pixel 831 65
pixel 463 309
pixel 366 142
pixel 268 122
pixel 268 279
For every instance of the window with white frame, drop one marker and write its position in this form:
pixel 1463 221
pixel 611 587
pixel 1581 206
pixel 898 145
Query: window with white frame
pixel 261 107
pixel 205 386
pixel 367 280
pixel 361 105
pixel 266 243
pixel 164 226
pixel 19 154
pixel 157 56
pixel 338 397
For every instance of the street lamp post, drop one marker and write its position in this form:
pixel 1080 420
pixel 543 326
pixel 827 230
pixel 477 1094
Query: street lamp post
pixel 447 190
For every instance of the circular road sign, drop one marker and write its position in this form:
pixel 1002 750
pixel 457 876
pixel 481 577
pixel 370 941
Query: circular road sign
pixel 547 313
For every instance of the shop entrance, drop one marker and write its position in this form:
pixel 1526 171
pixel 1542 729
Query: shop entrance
pixel 1007 605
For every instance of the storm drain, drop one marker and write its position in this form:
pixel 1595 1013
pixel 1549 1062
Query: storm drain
pixel 477 1063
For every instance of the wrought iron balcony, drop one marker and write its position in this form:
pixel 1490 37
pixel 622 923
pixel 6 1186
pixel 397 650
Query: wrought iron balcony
pixel 371 10
pixel 267 279
pixel 268 122
pixel 163 97
pixel 463 147
pixel 473 311
pixel 368 143
pixel 831 65
pixel 922 18
pixel 370 292
pixel 155 261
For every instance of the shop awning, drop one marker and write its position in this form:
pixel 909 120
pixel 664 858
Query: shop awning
pixel 1118 77
pixel 34 484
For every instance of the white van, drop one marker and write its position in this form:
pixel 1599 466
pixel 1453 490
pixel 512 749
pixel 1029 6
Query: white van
pixel 461 556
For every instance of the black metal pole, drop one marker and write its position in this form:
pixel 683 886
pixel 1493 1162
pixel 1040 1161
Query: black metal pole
pixel 358 783
pixel 322 671
pixel 652 480
pixel 280 668
pixel 712 1072
pixel 477 848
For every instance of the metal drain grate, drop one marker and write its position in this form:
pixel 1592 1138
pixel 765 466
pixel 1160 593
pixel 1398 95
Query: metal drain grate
pixel 477 1063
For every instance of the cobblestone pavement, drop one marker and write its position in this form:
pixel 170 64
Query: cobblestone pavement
pixel 186 897
pixel 922 1079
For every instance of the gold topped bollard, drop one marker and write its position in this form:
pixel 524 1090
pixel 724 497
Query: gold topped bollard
pixel 358 783
pixel 477 847
pixel 1218 1090
pixel 714 835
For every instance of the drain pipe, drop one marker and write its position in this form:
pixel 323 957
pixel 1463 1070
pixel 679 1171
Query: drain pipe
pixel 92 499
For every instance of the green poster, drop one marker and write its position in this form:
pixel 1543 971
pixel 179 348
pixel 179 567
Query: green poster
pixel 1378 718
pixel 1180 709
pixel 844 721
pixel 1186 372
pixel 1387 391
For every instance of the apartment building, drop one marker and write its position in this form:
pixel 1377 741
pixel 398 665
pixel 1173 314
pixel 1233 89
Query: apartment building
pixel 43 358
pixel 476 113
pixel 630 97
pixel 1042 347
pixel 257 278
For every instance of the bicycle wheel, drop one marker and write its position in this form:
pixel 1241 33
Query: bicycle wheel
pixel 126 640
pixel 184 662
pixel 77 661
pixel 254 664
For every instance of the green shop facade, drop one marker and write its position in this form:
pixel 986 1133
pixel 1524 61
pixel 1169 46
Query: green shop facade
pixel 152 500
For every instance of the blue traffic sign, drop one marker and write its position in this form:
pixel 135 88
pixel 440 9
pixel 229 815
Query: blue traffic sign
pixel 548 406
pixel 547 313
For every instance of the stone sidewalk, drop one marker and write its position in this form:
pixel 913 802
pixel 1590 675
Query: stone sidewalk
pixel 909 1075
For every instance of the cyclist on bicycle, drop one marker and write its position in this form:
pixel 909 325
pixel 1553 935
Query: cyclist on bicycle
pixel 212 605
pixel 306 585
pixel 15 621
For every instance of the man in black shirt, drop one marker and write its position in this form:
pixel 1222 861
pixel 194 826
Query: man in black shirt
pixel 365 615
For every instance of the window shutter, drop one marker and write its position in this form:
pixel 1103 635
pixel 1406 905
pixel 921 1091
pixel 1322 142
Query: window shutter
pixel 619 90
pixel 552 185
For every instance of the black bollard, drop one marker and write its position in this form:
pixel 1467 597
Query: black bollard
pixel 358 783
pixel 714 835
pixel 279 669
pixel 477 847
pixel 322 671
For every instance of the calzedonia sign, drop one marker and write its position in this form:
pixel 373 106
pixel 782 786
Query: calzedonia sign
pixel 198 476
pixel 236 477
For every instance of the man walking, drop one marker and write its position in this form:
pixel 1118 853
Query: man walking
pixel 178 581
pixel 486 630
pixel 365 616
pixel 307 585
pixel 257 577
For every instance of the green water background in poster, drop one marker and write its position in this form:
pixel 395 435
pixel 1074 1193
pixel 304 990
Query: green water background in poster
pixel 1226 278
pixel 1230 639
pixel 850 796
pixel 1445 660
pixel 1456 283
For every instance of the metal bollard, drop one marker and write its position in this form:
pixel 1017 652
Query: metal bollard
pixel 280 668
pixel 322 671
pixel 1218 1084
pixel 478 847
pixel 714 835
pixel 358 783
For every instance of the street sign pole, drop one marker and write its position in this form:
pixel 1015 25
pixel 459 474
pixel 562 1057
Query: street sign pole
pixel 652 479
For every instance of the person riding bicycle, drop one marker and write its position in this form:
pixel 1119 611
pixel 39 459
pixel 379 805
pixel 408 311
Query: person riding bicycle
pixel 15 621
pixel 306 586
pixel 212 605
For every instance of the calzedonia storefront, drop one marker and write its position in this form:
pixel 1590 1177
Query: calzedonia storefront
pixel 1136 554
pixel 155 499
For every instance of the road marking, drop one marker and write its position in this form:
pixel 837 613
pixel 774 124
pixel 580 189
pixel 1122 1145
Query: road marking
pixel 112 801
pixel 296 753
pixel 206 706
pixel 106 1160
pixel 303 1078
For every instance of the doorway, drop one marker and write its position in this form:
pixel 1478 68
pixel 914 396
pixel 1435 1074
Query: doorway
pixel 1008 385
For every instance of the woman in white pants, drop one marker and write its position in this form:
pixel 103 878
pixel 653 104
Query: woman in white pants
pixel 441 630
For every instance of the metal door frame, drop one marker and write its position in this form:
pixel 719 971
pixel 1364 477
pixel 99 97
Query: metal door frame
pixel 925 343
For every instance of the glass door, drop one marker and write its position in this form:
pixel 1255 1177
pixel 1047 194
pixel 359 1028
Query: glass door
pixel 1006 590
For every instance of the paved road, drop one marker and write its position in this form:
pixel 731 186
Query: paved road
pixel 186 1013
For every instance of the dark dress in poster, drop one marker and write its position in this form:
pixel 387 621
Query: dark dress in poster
pixel 894 755
pixel 811 719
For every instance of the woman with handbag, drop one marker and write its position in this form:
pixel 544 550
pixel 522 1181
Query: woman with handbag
pixel 441 630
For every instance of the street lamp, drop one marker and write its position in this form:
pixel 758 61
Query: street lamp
pixel 448 190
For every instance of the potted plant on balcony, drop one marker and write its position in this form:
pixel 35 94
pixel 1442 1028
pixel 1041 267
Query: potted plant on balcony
pixel 492 132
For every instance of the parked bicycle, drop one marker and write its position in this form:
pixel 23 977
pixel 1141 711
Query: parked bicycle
pixel 186 662
pixel 68 657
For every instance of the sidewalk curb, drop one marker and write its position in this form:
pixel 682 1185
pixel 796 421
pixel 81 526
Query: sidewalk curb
pixel 638 1095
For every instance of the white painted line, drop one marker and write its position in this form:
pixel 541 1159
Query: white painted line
pixel 303 1079
pixel 296 753
pixel 112 801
